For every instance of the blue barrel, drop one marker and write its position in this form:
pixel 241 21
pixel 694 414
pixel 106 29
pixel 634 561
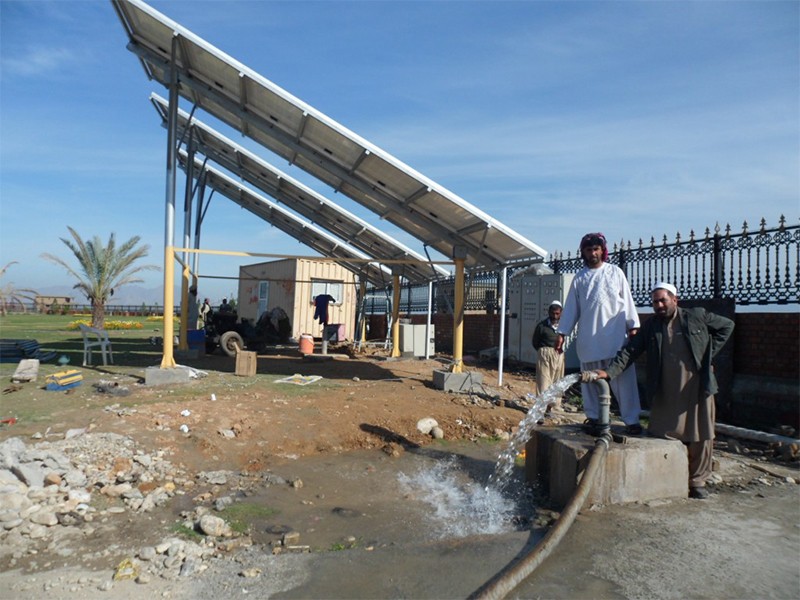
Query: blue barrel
pixel 196 338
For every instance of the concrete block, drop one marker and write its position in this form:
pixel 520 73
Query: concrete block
pixel 456 382
pixel 159 376
pixel 637 471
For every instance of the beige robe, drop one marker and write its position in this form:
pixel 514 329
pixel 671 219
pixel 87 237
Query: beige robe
pixel 680 408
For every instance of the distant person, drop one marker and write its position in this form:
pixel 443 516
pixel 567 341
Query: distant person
pixel 600 303
pixel 321 303
pixel 225 307
pixel 205 313
pixel 680 344
pixel 549 362
pixel 192 308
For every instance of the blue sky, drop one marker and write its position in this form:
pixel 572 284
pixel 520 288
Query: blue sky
pixel 637 119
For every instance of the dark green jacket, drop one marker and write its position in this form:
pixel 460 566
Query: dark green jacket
pixel 544 335
pixel 707 333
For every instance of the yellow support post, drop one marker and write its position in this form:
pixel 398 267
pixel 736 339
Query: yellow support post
pixel 395 315
pixel 362 287
pixel 458 316
pixel 183 341
pixel 168 358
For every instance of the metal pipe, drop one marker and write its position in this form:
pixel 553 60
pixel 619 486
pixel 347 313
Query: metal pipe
pixel 747 434
pixel 604 422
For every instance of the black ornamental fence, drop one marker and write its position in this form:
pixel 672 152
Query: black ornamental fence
pixel 753 267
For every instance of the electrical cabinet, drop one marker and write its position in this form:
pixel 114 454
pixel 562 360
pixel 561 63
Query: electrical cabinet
pixel 413 339
pixel 529 297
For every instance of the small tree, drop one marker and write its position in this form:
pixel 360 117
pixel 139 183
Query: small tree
pixel 9 295
pixel 102 268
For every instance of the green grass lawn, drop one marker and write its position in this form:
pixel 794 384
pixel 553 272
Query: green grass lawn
pixel 133 352
pixel 60 333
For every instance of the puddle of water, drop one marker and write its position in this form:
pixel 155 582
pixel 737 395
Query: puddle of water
pixel 425 495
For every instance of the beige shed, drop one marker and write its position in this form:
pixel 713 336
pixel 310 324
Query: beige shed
pixel 292 284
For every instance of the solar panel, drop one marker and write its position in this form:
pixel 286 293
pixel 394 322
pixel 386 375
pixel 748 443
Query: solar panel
pixel 307 233
pixel 301 198
pixel 308 139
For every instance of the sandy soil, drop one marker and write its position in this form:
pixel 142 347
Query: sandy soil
pixel 358 404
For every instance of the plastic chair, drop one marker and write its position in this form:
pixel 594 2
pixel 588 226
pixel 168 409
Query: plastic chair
pixel 95 338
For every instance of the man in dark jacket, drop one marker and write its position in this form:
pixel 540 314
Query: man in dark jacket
pixel 680 345
pixel 549 362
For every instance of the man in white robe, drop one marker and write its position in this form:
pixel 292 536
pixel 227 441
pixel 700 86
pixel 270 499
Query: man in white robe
pixel 600 303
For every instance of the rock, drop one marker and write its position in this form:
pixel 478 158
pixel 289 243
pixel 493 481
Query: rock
pixel 31 474
pixel 79 496
pixel 213 477
pixel 75 478
pixel 254 572
pixel 425 425
pixel 437 433
pixel 175 548
pixel 71 433
pixel 290 538
pixel 189 567
pixel 222 503
pixel 52 478
pixel 44 517
pixel 214 526
pixel 143 459
pixel 115 491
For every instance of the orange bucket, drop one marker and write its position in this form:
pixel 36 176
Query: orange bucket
pixel 306 344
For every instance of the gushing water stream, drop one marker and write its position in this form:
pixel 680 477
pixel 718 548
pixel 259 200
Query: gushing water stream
pixel 505 462
pixel 460 506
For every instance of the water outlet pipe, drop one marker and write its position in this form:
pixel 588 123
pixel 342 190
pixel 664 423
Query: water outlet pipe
pixel 504 582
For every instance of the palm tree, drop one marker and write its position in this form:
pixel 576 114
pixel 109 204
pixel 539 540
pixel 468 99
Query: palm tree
pixel 102 268
pixel 10 295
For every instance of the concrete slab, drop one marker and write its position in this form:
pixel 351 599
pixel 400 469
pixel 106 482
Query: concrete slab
pixel 159 376
pixel 640 470
pixel 456 382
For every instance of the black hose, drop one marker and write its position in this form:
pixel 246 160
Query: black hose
pixel 513 574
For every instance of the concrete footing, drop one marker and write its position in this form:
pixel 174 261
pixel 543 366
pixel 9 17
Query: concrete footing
pixel 159 376
pixel 640 470
pixel 456 382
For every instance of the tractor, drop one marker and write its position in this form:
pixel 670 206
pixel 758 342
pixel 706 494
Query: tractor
pixel 224 330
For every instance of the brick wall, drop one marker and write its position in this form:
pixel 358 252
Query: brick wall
pixel 481 331
pixel 767 344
